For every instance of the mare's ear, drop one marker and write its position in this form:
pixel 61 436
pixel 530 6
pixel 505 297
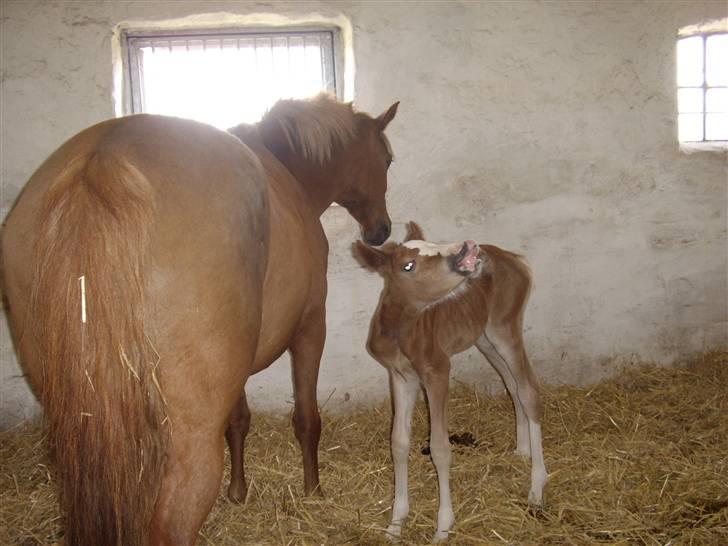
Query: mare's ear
pixel 414 232
pixel 369 257
pixel 384 119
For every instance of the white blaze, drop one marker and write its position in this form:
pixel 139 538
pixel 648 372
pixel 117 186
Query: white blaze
pixel 432 249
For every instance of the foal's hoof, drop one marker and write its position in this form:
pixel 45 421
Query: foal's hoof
pixel 535 500
pixel 394 532
pixel 439 537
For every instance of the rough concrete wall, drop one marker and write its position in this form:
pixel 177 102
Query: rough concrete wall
pixel 546 128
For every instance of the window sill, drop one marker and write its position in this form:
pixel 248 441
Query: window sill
pixel 696 147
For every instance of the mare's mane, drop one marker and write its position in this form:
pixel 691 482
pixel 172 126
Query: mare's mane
pixel 313 127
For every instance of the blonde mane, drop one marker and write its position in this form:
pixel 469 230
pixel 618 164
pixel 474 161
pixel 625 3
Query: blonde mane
pixel 314 126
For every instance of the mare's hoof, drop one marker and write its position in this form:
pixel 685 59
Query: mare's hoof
pixel 316 492
pixel 237 495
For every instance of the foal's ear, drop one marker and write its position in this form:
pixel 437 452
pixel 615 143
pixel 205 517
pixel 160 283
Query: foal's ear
pixel 414 232
pixel 369 257
pixel 384 119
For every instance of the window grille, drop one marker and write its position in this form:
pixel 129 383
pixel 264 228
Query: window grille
pixel 227 78
pixel 702 93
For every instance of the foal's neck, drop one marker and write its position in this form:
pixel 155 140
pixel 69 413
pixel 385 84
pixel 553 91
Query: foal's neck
pixel 397 314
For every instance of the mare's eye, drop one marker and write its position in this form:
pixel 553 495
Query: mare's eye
pixel 409 266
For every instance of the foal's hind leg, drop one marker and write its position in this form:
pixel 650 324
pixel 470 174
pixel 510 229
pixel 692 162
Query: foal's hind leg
pixel 508 344
pixel 236 432
pixel 523 443
pixel 306 349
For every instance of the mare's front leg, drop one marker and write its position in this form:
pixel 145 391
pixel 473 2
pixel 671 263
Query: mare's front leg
pixel 405 387
pixel 235 434
pixel 306 349
pixel 436 380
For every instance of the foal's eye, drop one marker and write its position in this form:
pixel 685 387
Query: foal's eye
pixel 409 266
pixel 389 162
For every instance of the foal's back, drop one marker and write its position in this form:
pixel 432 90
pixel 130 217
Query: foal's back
pixel 494 297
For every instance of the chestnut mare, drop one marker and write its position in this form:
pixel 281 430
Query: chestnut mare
pixel 439 300
pixel 151 265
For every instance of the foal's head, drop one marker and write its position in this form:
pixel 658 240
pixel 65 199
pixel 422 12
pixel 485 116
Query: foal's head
pixel 419 271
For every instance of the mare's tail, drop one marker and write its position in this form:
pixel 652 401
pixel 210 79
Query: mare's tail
pixel 103 403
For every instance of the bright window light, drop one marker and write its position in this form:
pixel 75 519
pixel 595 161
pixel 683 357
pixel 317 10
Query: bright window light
pixel 702 93
pixel 227 79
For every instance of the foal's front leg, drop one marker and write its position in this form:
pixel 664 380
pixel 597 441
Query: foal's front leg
pixel 404 395
pixel 436 385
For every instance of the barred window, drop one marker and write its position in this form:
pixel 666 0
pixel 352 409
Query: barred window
pixel 226 78
pixel 702 88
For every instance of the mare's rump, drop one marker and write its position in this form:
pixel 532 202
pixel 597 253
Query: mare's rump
pixel 133 265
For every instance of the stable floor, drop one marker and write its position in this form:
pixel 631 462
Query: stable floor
pixel 640 459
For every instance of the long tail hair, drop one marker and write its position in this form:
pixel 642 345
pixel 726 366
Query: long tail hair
pixel 103 402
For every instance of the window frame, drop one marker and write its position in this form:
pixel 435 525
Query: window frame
pixel 704 87
pixel 133 39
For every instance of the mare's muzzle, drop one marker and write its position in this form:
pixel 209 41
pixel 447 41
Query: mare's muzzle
pixel 378 235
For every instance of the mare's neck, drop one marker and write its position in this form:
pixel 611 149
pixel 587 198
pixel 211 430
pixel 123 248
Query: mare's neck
pixel 318 182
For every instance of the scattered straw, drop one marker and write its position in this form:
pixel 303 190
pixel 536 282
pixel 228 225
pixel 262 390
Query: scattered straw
pixel 641 459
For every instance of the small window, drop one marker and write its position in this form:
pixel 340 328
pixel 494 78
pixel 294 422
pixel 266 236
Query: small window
pixel 702 93
pixel 226 78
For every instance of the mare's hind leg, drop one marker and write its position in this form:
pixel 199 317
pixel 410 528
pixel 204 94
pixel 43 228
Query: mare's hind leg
pixel 201 385
pixel 523 443
pixel 235 434
pixel 507 343
pixel 306 349
pixel 191 484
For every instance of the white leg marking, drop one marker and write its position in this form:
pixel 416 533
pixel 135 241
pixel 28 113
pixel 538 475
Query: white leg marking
pixel 539 475
pixel 404 393
pixel 437 395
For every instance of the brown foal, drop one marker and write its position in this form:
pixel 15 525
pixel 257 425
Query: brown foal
pixel 439 300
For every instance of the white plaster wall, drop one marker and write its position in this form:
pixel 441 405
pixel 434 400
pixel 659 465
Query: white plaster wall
pixel 544 127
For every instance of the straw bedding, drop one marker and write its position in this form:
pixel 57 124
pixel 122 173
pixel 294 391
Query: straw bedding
pixel 640 459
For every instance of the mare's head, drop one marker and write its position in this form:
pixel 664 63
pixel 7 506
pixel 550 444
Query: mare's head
pixel 419 271
pixel 339 155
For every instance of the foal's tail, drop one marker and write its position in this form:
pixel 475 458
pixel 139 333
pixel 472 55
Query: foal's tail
pixel 103 402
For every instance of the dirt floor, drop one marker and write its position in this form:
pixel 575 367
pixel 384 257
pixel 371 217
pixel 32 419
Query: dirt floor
pixel 641 459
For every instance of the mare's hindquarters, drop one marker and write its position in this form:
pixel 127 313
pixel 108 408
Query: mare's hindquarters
pixel 133 265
